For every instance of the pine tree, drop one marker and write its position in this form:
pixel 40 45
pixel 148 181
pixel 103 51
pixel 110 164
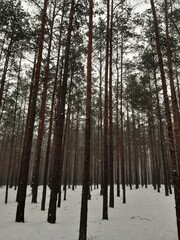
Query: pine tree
pixel 105 175
pixel 25 159
pixel 87 156
pixel 175 174
pixel 59 125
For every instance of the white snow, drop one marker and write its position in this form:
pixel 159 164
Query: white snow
pixel 147 215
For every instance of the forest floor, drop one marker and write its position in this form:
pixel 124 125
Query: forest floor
pixel 147 215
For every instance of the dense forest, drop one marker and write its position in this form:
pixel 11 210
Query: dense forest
pixel 89 95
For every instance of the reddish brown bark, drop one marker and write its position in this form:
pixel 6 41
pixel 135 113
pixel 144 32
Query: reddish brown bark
pixel 23 178
pixel 47 160
pixel 175 108
pixel 175 174
pixel 87 153
pixel 35 178
pixel 59 126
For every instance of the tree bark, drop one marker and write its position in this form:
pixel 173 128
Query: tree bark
pixel 87 153
pixel 161 137
pixel 175 108
pixel 47 159
pixel 76 151
pixel 175 174
pixel 35 178
pixel 59 126
pixel 111 158
pixel 23 178
pixel 129 148
pixel 136 162
pixel 121 129
pixel 117 129
pixel 10 164
pixel 105 175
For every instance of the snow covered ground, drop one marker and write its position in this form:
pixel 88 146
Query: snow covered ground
pixel 148 215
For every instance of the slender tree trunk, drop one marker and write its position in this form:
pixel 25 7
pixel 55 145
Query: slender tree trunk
pixel 63 141
pixel 23 178
pixel 87 154
pixel 35 178
pixel 16 139
pixel 111 160
pixel 10 164
pixel 105 175
pixel 117 128
pixel 66 141
pixel 140 152
pixel 122 131
pixel 59 125
pixel 161 137
pixel 17 148
pixel 129 148
pixel 152 150
pixel 154 142
pixel 98 155
pixel 67 146
pixel 145 158
pixel 21 137
pixel 175 174
pixel 175 108
pixel 135 152
pixel 101 124
pixel 76 151
pixel 47 159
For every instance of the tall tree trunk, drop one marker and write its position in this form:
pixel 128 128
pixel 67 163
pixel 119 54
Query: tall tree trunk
pixel 10 163
pixel 117 128
pixel 122 131
pixel 45 175
pixel 66 142
pixel 67 146
pixel 59 126
pixel 175 174
pixel 161 137
pixel 35 178
pixel 136 172
pixel 17 148
pixel 111 159
pixel 175 108
pixel 152 151
pixel 129 148
pixel 101 123
pixel 145 158
pixel 21 136
pixel 76 151
pixel 140 152
pixel 152 129
pixel 87 155
pixel 23 178
pixel 105 175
